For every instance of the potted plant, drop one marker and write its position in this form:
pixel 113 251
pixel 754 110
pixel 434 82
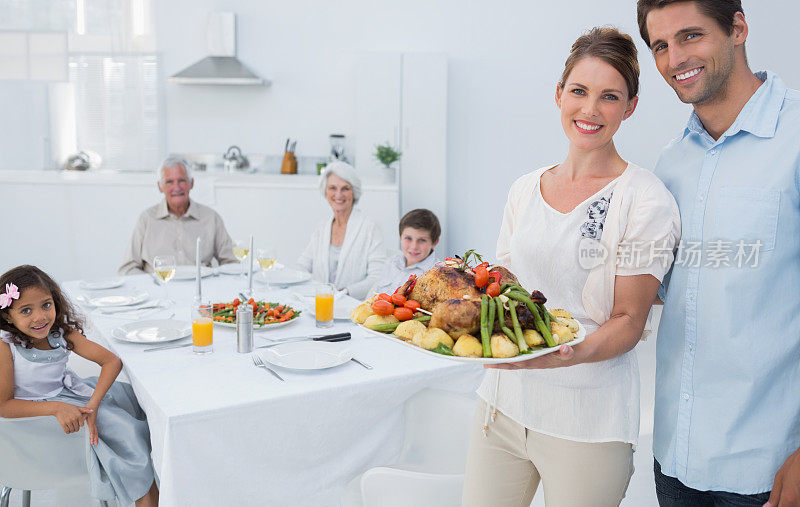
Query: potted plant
pixel 386 155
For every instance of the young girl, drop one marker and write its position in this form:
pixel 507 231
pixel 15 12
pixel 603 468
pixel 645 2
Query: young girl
pixel 38 329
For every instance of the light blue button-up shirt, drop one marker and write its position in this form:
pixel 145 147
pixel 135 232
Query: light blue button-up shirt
pixel 727 411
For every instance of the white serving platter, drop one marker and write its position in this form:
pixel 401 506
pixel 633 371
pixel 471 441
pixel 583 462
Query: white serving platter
pixel 580 336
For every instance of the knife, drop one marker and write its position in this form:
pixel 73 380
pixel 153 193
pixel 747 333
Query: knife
pixel 339 337
pixel 165 347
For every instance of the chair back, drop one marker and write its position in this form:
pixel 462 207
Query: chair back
pixel 390 487
pixel 437 426
pixel 37 454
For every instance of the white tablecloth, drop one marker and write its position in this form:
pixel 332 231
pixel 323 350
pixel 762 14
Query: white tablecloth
pixel 227 433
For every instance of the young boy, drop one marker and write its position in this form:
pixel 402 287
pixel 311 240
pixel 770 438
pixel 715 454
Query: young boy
pixel 419 233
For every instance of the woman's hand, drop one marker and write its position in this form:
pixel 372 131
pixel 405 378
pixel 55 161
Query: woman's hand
pixel 70 417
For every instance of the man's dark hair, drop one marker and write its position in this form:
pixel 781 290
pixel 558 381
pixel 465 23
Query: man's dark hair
pixel 722 11
pixel 423 220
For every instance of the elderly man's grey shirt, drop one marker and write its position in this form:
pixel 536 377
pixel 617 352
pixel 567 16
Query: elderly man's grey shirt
pixel 159 232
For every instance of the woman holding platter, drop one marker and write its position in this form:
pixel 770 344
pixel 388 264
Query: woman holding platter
pixel 596 235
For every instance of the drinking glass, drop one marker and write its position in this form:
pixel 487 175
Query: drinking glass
pixel 241 250
pixel 266 259
pixel 202 327
pixel 324 305
pixel 164 270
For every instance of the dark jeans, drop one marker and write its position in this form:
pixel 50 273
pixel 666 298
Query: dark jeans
pixel 673 493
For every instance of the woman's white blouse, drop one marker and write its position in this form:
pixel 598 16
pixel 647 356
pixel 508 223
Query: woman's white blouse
pixel 360 259
pixel 552 252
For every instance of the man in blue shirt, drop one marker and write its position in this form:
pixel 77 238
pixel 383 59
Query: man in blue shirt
pixel 727 421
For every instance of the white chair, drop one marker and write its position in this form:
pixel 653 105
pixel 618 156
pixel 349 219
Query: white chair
pixel 430 469
pixel 38 455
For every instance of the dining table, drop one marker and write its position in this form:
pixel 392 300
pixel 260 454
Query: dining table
pixel 226 432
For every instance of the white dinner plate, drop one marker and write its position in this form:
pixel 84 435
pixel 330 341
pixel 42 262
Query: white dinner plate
pixel 117 298
pixel 284 276
pixel 232 325
pixel 233 269
pixel 100 284
pixel 188 272
pixel 483 360
pixel 153 331
pixel 307 355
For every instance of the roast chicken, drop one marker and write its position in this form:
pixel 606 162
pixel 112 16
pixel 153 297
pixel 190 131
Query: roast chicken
pixel 443 282
pixel 455 301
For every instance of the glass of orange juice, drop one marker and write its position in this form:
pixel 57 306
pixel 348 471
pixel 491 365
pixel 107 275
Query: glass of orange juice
pixel 324 305
pixel 202 327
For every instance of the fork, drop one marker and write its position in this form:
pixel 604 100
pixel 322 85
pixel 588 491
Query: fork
pixel 260 363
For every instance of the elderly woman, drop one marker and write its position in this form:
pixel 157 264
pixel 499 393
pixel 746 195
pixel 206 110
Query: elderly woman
pixel 345 249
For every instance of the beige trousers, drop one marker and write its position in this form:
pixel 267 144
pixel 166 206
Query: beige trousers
pixel 505 467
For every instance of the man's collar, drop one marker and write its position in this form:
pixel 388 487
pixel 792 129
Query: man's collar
pixel 759 116
pixel 163 211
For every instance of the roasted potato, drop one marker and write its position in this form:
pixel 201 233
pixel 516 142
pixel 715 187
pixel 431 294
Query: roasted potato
pixel 406 330
pixel 503 347
pixel 361 312
pixel 560 312
pixel 376 320
pixel 572 324
pixel 563 332
pixel 468 346
pixel 432 337
pixel 532 337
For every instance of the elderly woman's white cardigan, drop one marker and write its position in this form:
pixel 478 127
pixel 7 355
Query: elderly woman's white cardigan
pixel 360 260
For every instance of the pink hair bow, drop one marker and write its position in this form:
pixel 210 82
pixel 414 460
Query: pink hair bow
pixel 9 296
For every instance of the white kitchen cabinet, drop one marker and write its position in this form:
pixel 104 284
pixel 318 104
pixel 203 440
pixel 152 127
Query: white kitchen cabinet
pixel 402 99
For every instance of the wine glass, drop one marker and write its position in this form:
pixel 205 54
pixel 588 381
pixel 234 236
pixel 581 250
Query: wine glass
pixel 241 250
pixel 266 259
pixel 164 269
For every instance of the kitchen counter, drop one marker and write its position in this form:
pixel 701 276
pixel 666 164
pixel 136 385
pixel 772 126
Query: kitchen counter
pixel 78 224
pixel 219 179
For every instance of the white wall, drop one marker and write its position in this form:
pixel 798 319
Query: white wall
pixel 504 59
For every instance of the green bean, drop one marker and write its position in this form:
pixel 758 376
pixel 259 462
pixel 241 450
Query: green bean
pixel 512 307
pixel 540 326
pixel 545 315
pixel 513 286
pixel 389 328
pixel 487 345
pixel 501 320
pixel 484 323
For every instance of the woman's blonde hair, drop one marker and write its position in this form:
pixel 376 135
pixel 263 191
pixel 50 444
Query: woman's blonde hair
pixel 613 47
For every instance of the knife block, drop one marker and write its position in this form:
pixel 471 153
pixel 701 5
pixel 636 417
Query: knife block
pixel 289 165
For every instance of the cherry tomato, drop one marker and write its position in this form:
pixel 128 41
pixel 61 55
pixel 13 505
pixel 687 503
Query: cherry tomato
pixel 382 307
pixel 412 305
pixel 250 301
pixel 402 313
pixel 385 297
pixel 493 290
pixel 481 276
pixel 398 299
pixel 236 302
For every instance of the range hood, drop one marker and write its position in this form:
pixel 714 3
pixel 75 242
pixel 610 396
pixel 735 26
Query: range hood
pixel 221 67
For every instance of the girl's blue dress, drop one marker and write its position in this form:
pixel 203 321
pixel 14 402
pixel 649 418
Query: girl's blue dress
pixel 119 465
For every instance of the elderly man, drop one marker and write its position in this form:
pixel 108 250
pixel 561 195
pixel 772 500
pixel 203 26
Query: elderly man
pixel 173 226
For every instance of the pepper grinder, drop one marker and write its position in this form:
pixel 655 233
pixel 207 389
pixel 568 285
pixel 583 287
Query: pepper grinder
pixel 244 329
